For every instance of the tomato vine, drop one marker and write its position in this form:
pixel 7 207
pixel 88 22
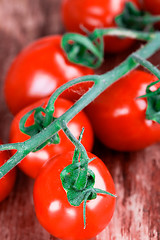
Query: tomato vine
pixel 101 82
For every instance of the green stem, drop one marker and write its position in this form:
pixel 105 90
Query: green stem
pixel 55 95
pixel 112 76
pixel 10 146
pixel 149 19
pixel 74 140
pixel 149 66
pixel 100 84
pixel 121 32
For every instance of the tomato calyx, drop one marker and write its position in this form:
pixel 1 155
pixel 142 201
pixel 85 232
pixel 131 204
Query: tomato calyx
pixel 132 18
pixel 153 100
pixel 77 179
pixel 42 118
pixel 153 103
pixel 153 97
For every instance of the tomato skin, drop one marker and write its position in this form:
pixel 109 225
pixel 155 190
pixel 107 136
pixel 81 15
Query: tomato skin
pixel 37 71
pixel 33 162
pixel 151 6
pixel 7 182
pixel 55 213
pixel 96 14
pixel 118 116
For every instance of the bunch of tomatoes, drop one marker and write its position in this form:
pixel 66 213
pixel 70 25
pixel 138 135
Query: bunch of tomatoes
pixel 117 117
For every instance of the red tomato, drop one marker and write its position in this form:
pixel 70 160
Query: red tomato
pixel 55 213
pixel 118 116
pixel 37 71
pixel 95 14
pixel 7 182
pixel 151 6
pixel 33 162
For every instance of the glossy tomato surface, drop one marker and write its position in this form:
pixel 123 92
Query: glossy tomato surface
pixel 118 116
pixel 7 182
pixel 95 14
pixel 37 71
pixel 34 161
pixel 55 213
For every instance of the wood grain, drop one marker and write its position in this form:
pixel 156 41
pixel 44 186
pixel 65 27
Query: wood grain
pixel 136 175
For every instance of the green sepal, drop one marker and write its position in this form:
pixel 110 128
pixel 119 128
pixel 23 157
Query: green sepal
pixel 90 179
pixel 82 176
pixel 75 156
pixel 153 103
pixel 69 175
pixel 77 197
pixel 100 191
pixel 85 178
pixel 134 19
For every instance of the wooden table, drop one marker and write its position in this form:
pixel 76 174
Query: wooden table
pixel 136 175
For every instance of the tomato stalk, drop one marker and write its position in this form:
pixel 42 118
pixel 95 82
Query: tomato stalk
pixel 89 50
pixel 146 64
pixel 74 140
pixel 101 82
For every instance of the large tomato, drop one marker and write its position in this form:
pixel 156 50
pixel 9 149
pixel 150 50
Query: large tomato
pixel 55 213
pixel 119 117
pixel 95 14
pixel 7 182
pixel 37 71
pixel 34 161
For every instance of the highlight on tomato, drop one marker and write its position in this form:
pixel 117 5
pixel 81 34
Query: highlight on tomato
pixel 90 14
pixel 118 116
pixel 8 181
pixel 38 70
pixel 53 209
pixel 33 162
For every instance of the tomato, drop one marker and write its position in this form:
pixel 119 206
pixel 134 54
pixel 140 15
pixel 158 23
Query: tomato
pixel 55 213
pixel 33 162
pixel 95 14
pixel 151 6
pixel 37 71
pixel 118 116
pixel 7 182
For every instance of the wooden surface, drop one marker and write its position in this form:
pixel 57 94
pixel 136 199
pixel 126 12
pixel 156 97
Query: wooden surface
pixel 136 175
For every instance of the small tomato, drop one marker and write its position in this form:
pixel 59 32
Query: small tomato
pixel 55 213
